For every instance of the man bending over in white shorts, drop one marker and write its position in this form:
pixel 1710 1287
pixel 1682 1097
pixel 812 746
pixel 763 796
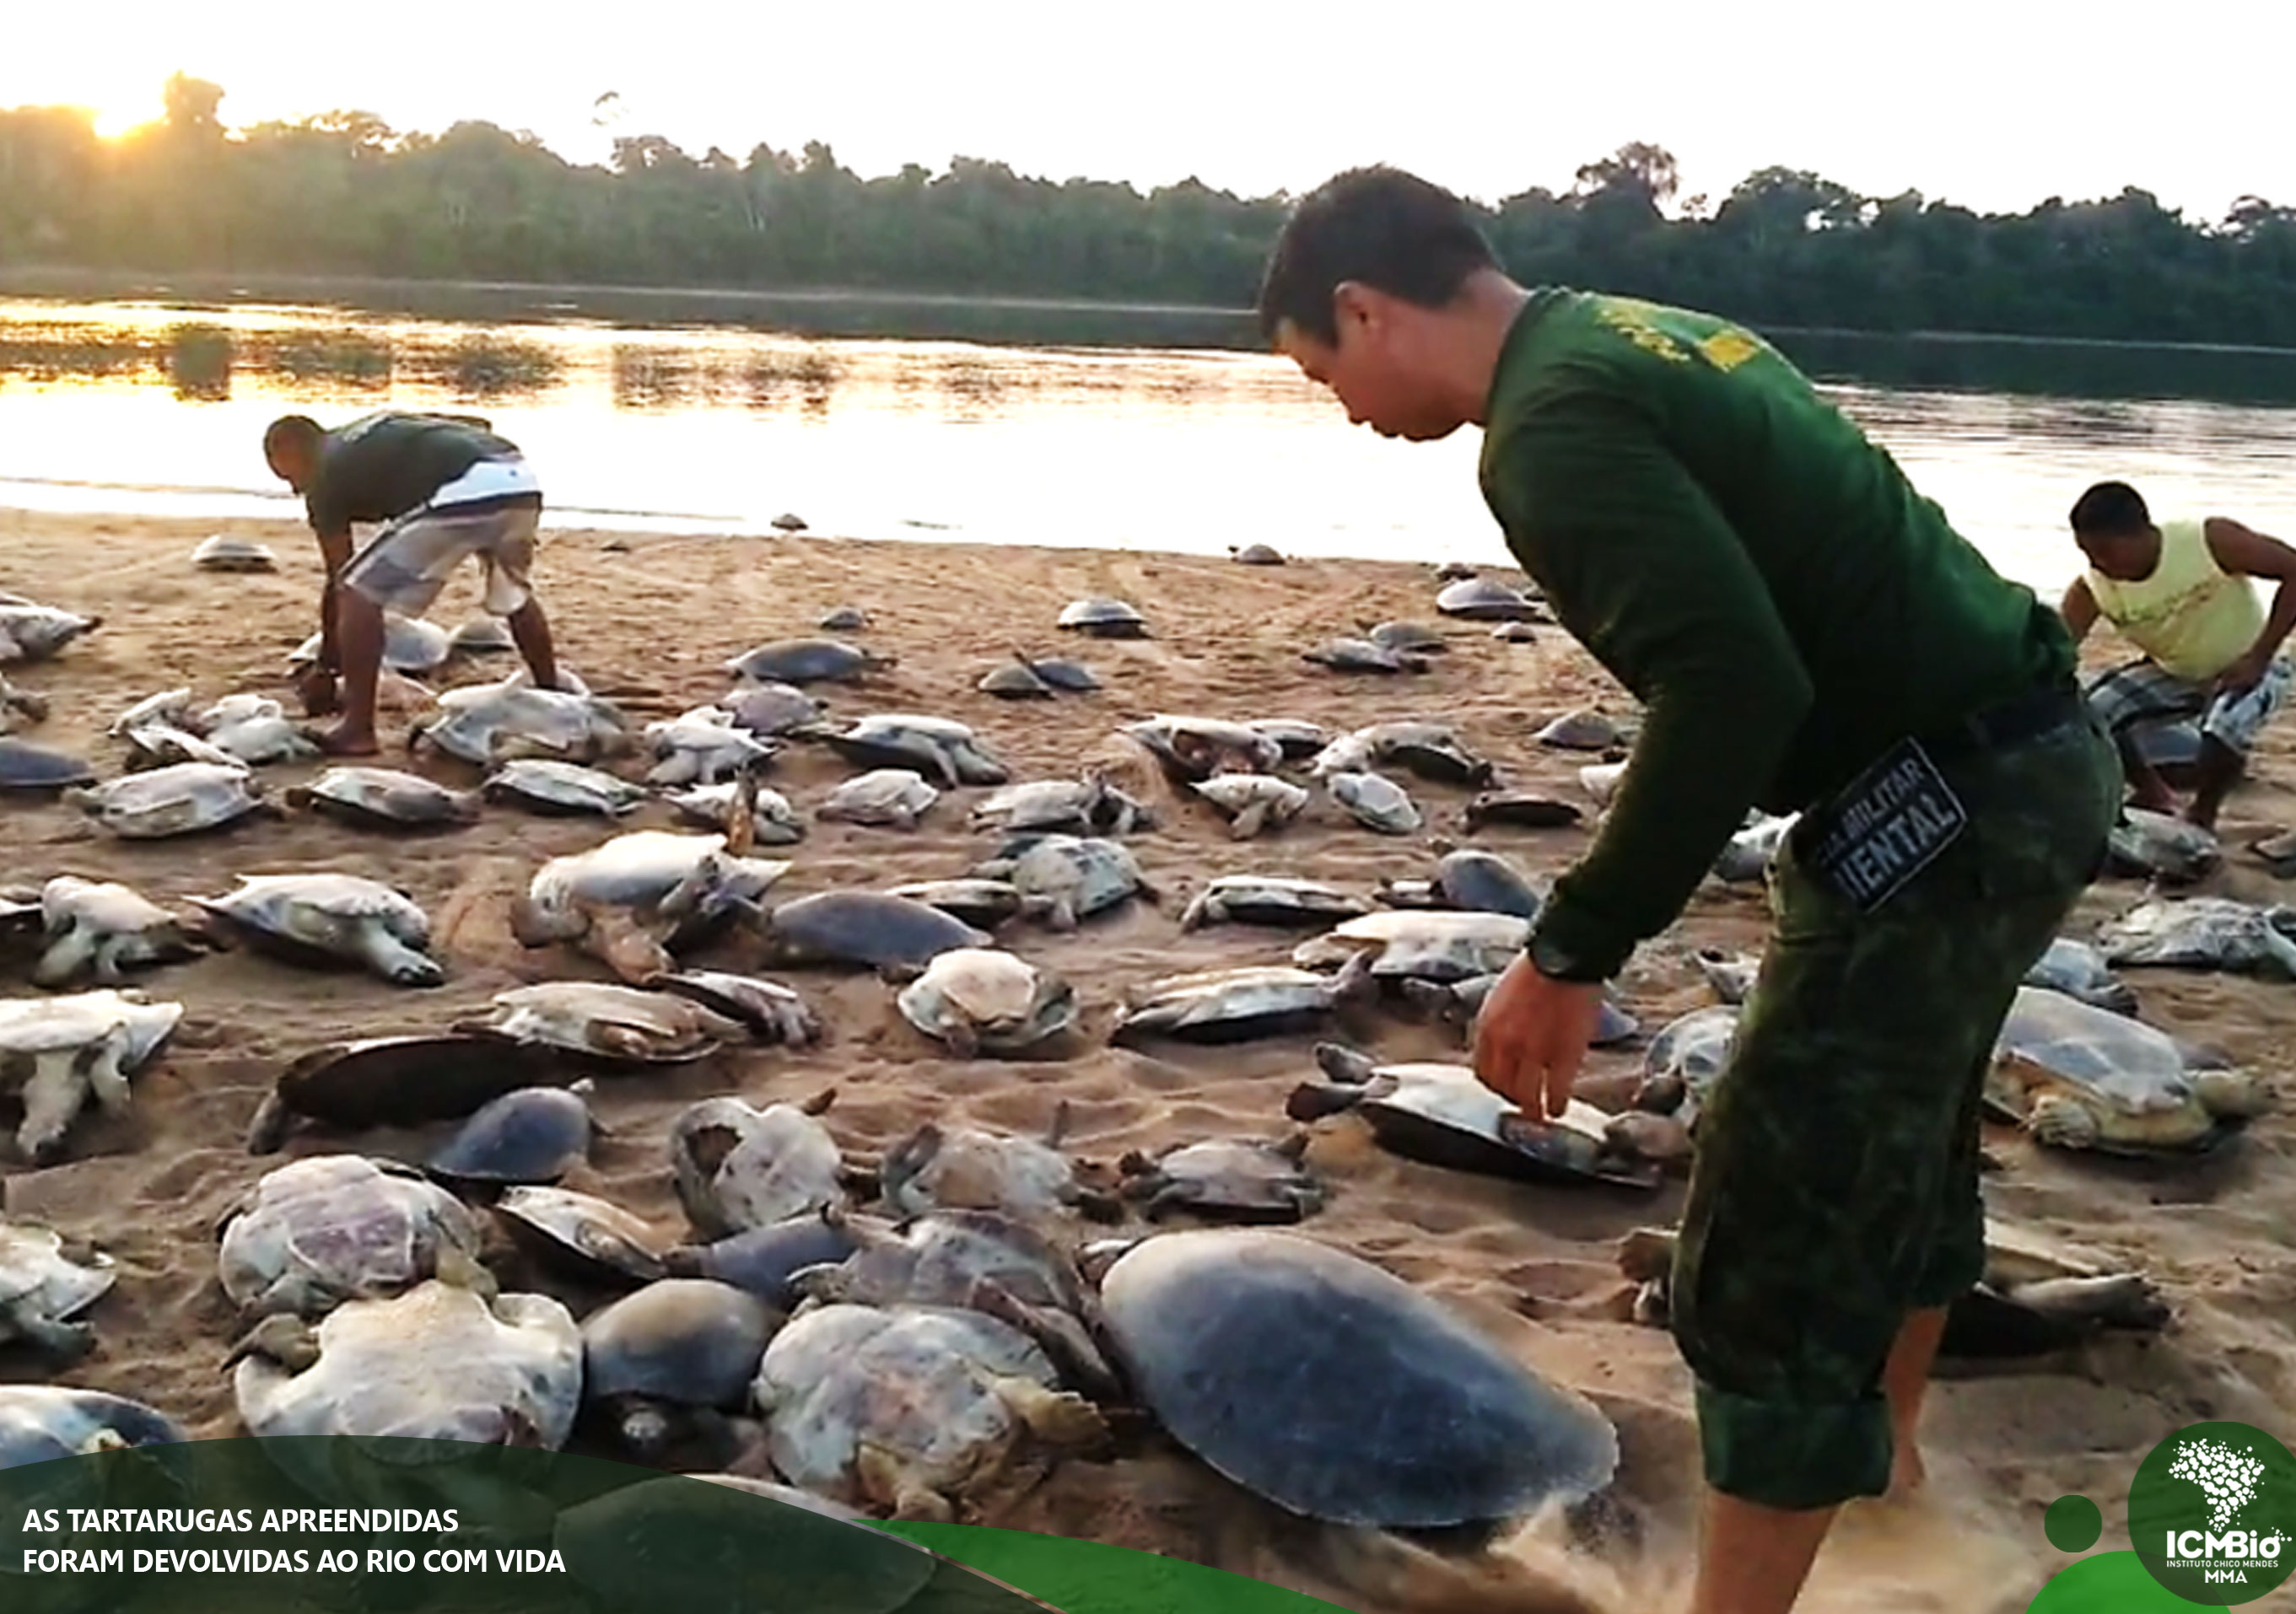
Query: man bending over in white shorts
pixel 447 488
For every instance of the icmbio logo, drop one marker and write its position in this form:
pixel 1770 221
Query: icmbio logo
pixel 2212 1513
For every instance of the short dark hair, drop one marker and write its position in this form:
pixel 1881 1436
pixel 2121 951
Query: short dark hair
pixel 1390 230
pixel 291 428
pixel 2108 510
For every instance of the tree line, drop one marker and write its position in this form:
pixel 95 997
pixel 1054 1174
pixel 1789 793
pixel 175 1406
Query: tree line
pixel 343 193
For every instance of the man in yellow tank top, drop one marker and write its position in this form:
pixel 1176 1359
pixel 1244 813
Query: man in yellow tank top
pixel 2180 593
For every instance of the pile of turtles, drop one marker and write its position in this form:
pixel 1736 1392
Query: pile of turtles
pixel 1030 1301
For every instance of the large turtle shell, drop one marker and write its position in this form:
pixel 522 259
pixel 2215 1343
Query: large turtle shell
pixel 41 1423
pixel 1335 1390
pixel 398 1081
pixel 693 1342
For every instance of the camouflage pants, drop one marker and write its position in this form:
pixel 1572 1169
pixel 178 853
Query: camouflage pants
pixel 1836 1187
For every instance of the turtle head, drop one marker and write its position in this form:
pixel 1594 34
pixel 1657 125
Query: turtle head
pixel 646 1427
pixel 283 1338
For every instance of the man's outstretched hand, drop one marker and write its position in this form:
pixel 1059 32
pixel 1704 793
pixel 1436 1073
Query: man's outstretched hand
pixel 1531 1037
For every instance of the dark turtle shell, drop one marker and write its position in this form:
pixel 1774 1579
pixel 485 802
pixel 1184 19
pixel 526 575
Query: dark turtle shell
pixel 399 1081
pixel 536 1135
pixel 35 767
pixel 1337 1390
pixel 694 1342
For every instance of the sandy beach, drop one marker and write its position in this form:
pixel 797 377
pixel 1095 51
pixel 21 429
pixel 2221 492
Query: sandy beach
pixel 649 620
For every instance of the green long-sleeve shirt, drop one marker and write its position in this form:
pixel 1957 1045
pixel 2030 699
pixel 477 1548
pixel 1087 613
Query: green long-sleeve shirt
pixel 1739 555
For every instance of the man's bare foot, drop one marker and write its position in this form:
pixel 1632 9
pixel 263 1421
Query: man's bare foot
pixel 1907 1473
pixel 343 740
pixel 2200 818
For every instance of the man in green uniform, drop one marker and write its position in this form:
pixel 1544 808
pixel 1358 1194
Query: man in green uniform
pixel 448 489
pixel 1806 634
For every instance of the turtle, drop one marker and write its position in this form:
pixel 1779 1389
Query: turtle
pixel 1443 1115
pixel 891 797
pixel 223 553
pixel 396 1081
pixel 532 1136
pixel 1104 619
pixel 1234 1338
pixel 1468 878
pixel 947 751
pixel 799 661
pixel 701 747
pixel 871 928
pixel 643 895
pixel 1460 1003
pixel 489 725
pixel 46 1285
pixel 381 798
pixel 763 1259
pixel 1363 656
pixel 1014 681
pixel 1191 749
pixel 1415 637
pixel 1731 976
pixel 2078 1076
pixel 592 1240
pixel 843 620
pixel 769 709
pixel 1222 1006
pixel 1225 1179
pixel 103 928
pixel 2078 969
pixel 904 1408
pixel 563 789
pixel 327 918
pixel 1253 802
pixel 1515 632
pixel 26 766
pixel 162 744
pixel 773 822
pixel 1680 1068
pixel 1271 899
pixel 1454 572
pixel 1296 738
pixel 669 1360
pixel 1583 729
pixel 1077 876
pixel 786 523
pixel 1059 672
pixel 2037 1294
pixel 774 1014
pixel 1600 781
pixel 954 1167
pixel 1089 806
pixel 1481 600
pixel 184 798
pixel 54 1051
pixel 1438 944
pixel 985 903
pixel 335 1227
pixel 18 703
pixel 171 707
pixel 440 1362
pixel 482 636
pixel 256 730
pixel 1256 554
pixel 1524 809
pixel 2161 846
pixel 1746 860
pixel 736 1168
pixel 34 632
pixel 410 645
pixel 1431 750
pixel 610 1021
pixel 1375 801
pixel 2202 933
pixel 45 1422
pixel 979 1000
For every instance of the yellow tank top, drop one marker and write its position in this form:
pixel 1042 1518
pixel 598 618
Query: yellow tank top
pixel 2191 616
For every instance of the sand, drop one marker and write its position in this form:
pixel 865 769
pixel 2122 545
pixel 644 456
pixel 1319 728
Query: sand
pixel 651 619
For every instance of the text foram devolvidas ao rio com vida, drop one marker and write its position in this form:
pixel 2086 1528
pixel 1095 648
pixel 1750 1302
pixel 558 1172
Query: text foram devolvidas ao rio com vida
pixel 233 1560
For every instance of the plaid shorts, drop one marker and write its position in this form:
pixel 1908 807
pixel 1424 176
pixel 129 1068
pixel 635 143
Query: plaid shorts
pixel 2142 692
pixel 405 565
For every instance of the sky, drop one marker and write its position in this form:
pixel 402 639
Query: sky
pixel 1994 104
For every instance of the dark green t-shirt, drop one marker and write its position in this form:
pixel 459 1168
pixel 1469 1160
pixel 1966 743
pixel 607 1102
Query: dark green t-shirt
pixel 383 465
pixel 1739 555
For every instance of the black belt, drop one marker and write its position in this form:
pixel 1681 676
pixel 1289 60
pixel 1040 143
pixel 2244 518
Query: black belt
pixel 2029 717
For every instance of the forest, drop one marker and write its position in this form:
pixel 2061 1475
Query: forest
pixel 344 195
